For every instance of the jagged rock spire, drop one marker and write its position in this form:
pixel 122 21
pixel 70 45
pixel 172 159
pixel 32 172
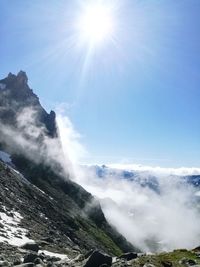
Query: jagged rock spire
pixel 22 77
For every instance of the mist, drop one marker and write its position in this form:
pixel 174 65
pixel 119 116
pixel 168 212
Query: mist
pixel 152 219
pixel 30 138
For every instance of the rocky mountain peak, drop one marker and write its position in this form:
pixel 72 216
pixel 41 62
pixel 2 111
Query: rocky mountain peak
pixel 47 207
pixel 16 95
pixel 22 77
pixel 16 86
pixel 11 75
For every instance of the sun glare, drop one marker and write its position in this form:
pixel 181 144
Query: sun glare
pixel 96 24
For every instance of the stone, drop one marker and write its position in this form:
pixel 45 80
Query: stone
pixel 38 261
pixel 129 256
pixel 31 246
pixel 166 263
pixel 47 239
pixel 30 257
pixel 187 262
pixel 191 262
pixel 97 259
pixel 148 265
pixel 89 253
pixel 30 264
pixel 17 261
pixel 196 249
pixel 4 263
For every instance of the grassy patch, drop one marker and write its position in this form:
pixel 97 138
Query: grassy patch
pixel 173 257
pixel 100 236
pixel 105 240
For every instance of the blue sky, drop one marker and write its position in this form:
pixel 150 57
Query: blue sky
pixel 135 100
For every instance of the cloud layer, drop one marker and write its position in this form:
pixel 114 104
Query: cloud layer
pixel 153 220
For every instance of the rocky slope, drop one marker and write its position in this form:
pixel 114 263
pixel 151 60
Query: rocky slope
pixel 38 200
pixel 45 218
pixel 37 229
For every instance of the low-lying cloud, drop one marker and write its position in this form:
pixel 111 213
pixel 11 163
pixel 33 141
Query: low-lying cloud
pixel 161 171
pixel 164 218
pixel 29 137
pixel 151 220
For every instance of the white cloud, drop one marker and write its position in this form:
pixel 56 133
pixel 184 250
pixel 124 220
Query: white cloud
pixel 169 218
pixel 182 171
pixel 151 220
pixel 70 138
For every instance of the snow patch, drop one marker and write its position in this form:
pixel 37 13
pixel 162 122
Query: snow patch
pixel 39 189
pixel 52 254
pixel 11 232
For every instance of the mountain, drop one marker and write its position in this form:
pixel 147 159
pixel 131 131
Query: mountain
pixel 40 229
pixel 15 95
pixel 38 200
pixel 46 219
pixel 142 178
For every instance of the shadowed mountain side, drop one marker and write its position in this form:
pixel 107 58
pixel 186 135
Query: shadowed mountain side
pixel 28 133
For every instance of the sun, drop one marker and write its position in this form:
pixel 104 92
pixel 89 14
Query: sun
pixel 96 24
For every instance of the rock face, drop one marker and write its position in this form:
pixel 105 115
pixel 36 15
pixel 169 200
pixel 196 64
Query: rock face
pixel 43 218
pixel 98 259
pixel 129 256
pixel 36 196
pixel 31 246
pixel 16 96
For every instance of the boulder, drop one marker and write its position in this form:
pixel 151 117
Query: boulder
pixel 31 257
pixel 31 246
pixel 197 249
pixel 89 253
pixel 97 259
pixel 187 262
pixel 166 263
pixel 4 263
pixel 17 261
pixel 128 256
pixel 38 261
pixel 191 262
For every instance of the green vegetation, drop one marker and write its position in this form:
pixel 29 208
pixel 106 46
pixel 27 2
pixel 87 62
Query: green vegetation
pixel 174 258
pixel 105 240
pixel 100 236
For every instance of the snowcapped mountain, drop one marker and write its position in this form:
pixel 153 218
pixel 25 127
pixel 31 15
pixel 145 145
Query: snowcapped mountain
pixel 144 178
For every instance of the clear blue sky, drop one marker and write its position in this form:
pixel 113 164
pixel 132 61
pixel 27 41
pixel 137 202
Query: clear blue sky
pixel 136 99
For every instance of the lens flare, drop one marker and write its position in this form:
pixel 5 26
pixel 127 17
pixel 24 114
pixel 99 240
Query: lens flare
pixel 96 24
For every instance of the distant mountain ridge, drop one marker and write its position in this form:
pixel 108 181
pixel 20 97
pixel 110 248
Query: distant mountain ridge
pixel 143 178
